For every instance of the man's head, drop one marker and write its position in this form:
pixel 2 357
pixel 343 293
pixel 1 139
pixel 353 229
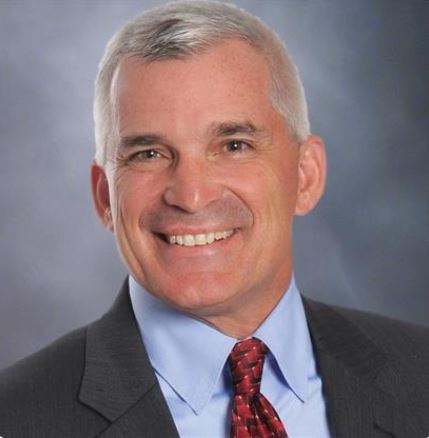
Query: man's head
pixel 203 159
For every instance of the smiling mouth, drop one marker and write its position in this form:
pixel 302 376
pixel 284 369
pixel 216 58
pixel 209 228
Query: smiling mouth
pixel 196 239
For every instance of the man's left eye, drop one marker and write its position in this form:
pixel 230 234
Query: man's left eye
pixel 236 146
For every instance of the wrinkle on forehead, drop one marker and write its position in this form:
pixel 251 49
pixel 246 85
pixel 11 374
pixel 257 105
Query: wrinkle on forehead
pixel 232 70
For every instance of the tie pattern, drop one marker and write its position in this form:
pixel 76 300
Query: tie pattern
pixel 253 416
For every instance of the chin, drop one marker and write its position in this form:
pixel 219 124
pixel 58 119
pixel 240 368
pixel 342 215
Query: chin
pixel 197 294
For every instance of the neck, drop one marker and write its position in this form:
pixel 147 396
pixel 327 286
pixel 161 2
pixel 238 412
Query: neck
pixel 241 323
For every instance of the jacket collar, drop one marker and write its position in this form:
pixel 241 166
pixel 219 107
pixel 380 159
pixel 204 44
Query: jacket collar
pixel 363 390
pixel 118 380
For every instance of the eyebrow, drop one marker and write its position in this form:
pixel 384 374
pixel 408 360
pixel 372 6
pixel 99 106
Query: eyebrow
pixel 139 140
pixel 225 129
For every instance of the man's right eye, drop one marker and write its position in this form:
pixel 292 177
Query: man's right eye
pixel 148 154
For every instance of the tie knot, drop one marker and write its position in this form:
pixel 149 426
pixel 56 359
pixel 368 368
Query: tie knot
pixel 246 361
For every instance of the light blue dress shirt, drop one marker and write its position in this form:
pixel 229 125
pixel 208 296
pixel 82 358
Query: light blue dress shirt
pixel 189 358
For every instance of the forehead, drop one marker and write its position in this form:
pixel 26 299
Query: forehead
pixel 229 81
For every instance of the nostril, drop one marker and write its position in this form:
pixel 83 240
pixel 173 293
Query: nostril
pixel 191 197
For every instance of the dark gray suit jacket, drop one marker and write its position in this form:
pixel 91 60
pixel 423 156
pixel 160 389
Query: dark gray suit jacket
pixel 98 381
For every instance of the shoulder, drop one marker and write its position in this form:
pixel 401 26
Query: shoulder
pixel 46 364
pixel 402 342
pixel 43 388
pixel 380 364
pixel 389 333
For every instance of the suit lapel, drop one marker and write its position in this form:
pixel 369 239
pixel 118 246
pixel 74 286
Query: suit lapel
pixel 362 390
pixel 119 381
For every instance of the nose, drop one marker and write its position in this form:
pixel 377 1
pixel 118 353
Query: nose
pixel 192 186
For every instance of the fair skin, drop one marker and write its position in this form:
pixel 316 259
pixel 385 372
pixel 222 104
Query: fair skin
pixel 199 150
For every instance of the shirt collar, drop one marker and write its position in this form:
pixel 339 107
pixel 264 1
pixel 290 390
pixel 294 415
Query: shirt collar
pixel 286 334
pixel 177 345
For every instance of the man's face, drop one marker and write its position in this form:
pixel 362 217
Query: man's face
pixel 203 183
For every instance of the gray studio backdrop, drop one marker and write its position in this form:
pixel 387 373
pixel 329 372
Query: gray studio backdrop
pixel 365 65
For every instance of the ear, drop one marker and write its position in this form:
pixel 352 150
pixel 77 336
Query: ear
pixel 100 194
pixel 312 174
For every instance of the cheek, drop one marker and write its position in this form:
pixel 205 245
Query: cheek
pixel 270 192
pixel 286 181
pixel 136 195
pixel 126 197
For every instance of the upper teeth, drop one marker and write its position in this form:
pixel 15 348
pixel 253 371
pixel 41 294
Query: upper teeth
pixel 198 239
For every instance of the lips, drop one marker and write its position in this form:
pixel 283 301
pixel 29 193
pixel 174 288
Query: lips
pixel 197 239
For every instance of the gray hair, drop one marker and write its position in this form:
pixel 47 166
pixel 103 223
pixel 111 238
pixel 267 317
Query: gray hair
pixel 190 27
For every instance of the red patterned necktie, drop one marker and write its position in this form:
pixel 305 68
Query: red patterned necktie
pixel 253 416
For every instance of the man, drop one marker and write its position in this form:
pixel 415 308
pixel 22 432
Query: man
pixel 204 156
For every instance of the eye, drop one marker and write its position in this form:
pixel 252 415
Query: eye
pixel 236 146
pixel 150 159
pixel 146 155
